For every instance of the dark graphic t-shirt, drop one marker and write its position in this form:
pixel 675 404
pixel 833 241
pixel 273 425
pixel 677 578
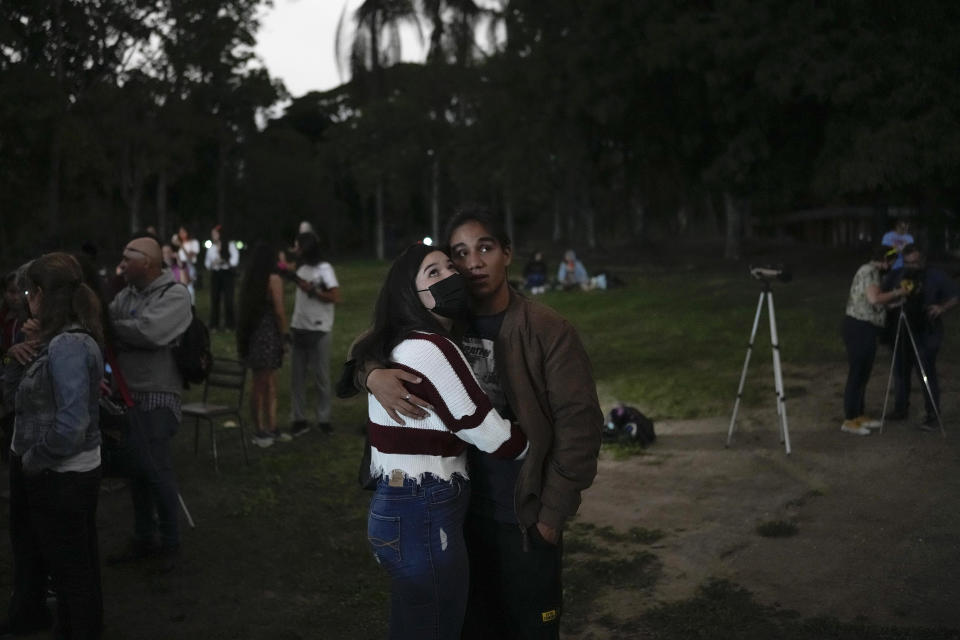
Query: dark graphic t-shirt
pixel 492 479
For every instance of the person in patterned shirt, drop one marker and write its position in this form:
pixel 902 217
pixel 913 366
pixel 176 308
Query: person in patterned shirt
pixel 865 316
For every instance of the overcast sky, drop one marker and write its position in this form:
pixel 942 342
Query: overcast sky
pixel 296 39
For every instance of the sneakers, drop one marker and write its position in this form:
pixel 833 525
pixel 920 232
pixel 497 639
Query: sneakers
pixel 280 436
pixel 868 423
pixel 929 424
pixel 324 427
pixel 262 439
pixel 852 426
pixel 898 414
pixel 299 428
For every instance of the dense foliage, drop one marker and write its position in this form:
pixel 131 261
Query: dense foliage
pixel 591 123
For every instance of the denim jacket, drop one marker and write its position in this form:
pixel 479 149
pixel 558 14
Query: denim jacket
pixel 57 402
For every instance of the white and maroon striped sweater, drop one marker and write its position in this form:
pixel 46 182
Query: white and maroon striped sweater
pixel 461 415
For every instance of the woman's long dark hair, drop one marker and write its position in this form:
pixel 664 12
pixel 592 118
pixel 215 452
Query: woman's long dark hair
pixel 309 244
pixel 66 298
pixel 399 309
pixel 253 293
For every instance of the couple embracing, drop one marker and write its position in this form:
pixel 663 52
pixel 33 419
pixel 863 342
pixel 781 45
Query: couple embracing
pixel 472 535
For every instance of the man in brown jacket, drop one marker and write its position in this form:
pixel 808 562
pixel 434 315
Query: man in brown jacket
pixel 531 363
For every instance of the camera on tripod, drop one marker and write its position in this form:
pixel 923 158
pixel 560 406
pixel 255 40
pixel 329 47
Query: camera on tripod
pixel 912 282
pixel 769 273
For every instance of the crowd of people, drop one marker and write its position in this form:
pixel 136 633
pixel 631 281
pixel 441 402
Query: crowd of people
pixel 898 299
pixel 76 340
pixel 483 427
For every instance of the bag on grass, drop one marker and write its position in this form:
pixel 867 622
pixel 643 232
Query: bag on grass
pixel 628 424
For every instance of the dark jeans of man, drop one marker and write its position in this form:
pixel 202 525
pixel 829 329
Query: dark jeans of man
pixel 221 288
pixel 928 346
pixel 860 340
pixel 154 491
pixel 514 592
pixel 53 530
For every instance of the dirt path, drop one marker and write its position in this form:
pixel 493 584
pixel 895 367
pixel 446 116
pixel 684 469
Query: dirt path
pixel 877 518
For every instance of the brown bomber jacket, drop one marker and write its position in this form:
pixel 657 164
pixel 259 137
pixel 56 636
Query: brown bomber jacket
pixel 546 376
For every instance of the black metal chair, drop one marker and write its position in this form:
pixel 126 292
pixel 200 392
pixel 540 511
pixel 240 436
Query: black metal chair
pixel 229 375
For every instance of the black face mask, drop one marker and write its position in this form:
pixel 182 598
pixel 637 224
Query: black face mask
pixel 450 295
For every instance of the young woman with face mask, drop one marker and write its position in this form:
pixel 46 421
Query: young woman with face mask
pixel 415 525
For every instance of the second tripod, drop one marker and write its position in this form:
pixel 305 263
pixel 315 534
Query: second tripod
pixel 903 326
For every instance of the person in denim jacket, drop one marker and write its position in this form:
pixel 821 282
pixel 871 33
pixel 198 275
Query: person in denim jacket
pixel 55 455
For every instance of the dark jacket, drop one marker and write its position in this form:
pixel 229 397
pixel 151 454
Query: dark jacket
pixel 546 376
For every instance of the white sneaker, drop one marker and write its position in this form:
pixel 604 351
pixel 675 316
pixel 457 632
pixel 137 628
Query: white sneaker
pixel 262 439
pixel 852 426
pixel 868 423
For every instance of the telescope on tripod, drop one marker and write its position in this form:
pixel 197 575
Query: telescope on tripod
pixel 897 359
pixel 766 275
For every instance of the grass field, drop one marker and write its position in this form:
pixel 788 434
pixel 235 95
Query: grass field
pixel 280 551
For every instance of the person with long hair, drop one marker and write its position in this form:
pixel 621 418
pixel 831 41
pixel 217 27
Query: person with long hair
pixel 532 364
pixel 318 292
pixel 261 334
pixel 415 524
pixel 55 455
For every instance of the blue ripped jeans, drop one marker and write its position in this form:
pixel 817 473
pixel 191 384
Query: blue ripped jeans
pixel 416 533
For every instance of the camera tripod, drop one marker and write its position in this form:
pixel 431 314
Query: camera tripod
pixel 903 323
pixel 767 293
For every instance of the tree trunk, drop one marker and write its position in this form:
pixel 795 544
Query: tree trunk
pixel 713 224
pixel 53 181
pixel 162 203
pixel 879 226
pixel 731 249
pixel 557 219
pixel 378 204
pixel 683 219
pixel 135 222
pixel 56 145
pixel 637 217
pixel 508 215
pixel 435 200
pixel 222 179
pixel 590 224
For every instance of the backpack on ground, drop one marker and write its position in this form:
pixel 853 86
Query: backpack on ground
pixel 628 424
pixel 192 352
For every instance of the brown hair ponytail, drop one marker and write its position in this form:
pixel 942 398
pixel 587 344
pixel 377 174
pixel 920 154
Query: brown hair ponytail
pixel 66 299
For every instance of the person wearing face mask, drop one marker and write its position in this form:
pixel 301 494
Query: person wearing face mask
pixel 532 364
pixel 417 513
pixel 865 316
